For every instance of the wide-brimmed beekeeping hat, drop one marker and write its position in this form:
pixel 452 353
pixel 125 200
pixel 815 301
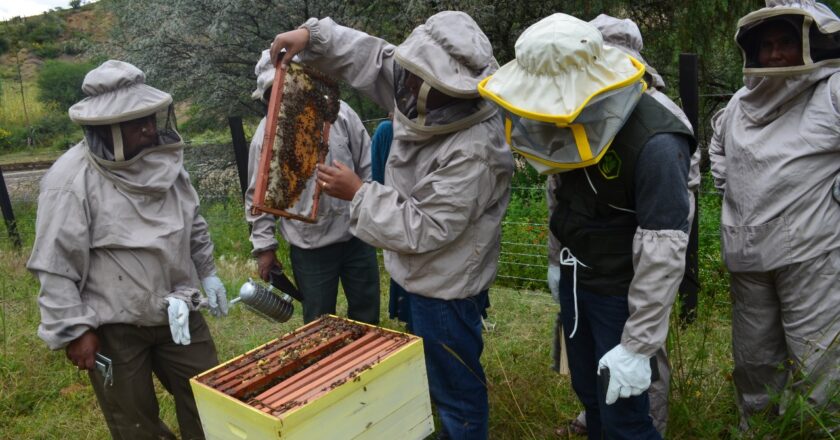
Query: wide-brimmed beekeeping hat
pixel 116 92
pixel 566 94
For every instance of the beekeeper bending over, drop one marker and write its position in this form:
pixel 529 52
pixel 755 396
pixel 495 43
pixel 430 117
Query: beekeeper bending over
pixel 577 107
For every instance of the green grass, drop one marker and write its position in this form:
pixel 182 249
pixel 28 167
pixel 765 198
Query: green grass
pixel 42 396
pixel 12 104
pixel 41 154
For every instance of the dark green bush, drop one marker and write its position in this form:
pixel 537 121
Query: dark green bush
pixel 43 29
pixel 54 129
pixel 60 83
pixel 52 125
pixel 46 50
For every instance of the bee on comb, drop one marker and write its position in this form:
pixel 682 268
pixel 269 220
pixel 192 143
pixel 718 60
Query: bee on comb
pixel 301 111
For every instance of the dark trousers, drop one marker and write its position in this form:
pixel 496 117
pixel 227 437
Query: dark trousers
pixel 317 272
pixel 452 343
pixel 130 405
pixel 601 321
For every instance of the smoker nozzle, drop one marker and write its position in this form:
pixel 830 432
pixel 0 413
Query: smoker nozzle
pixel 265 300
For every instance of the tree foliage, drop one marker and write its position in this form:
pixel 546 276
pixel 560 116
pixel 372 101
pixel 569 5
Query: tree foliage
pixel 205 50
pixel 60 82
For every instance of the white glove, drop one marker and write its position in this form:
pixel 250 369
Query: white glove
pixel 179 320
pixel 216 295
pixel 629 373
pixel 554 282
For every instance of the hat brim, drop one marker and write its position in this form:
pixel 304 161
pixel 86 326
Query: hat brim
pixel 424 57
pixel 120 105
pixel 526 94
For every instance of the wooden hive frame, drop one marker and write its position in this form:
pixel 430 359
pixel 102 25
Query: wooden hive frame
pixel 333 378
pixel 263 170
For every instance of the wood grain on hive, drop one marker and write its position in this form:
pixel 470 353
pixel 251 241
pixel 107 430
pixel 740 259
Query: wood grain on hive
pixel 333 378
pixel 300 112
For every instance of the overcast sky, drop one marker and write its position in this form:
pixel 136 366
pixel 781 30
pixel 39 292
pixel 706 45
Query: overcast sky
pixel 25 8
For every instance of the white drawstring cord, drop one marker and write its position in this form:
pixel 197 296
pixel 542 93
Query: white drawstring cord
pixel 567 259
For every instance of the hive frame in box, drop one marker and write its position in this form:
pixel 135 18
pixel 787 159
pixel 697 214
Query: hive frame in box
pixel 388 400
pixel 263 169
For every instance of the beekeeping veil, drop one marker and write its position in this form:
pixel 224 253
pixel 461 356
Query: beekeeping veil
pixel 119 102
pixel 566 95
pixel 816 25
pixel 436 72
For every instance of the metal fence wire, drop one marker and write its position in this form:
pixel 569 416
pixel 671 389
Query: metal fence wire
pixel 522 263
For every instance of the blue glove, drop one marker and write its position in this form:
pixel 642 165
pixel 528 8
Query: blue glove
pixel 216 295
pixel 554 282
pixel 179 320
pixel 629 373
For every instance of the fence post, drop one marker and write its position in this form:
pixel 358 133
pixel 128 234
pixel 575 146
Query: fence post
pixel 8 214
pixel 240 150
pixel 689 89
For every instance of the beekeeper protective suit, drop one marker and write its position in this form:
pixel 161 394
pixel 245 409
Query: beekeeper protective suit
pixel 621 220
pixel 119 251
pixel 776 155
pixel 439 218
pixel 624 34
pixel 326 251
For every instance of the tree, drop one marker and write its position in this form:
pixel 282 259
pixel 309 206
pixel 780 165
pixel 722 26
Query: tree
pixel 205 50
pixel 60 83
pixel 75 4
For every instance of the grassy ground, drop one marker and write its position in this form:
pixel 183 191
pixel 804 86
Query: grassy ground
pixel 42 396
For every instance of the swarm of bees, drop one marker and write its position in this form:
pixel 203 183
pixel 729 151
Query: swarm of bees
pixel 310 102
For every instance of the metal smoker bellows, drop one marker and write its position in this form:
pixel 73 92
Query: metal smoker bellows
pixel 265 300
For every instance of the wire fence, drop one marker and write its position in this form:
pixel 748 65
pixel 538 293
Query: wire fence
pixel 523 260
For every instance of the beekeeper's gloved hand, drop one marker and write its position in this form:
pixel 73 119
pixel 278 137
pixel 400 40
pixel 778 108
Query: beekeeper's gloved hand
pixel 179 320
pixel 554 282
pixel 216 295
pixel 629 373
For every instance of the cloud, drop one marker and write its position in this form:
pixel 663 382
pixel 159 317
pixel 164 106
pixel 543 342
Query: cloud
pixel 25 8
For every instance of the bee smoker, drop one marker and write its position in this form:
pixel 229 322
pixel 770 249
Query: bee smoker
pixel 264 300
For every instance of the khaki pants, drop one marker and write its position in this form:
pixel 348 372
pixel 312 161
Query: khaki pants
pixel 129 405
pixel 783 320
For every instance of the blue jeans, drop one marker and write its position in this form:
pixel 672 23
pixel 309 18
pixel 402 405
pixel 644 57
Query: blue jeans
pixel 601 321
pixel 452 343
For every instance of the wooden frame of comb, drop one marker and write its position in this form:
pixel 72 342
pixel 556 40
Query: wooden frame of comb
pixel 296 166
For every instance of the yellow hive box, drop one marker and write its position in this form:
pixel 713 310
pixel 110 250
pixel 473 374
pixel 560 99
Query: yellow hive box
pixel 389 400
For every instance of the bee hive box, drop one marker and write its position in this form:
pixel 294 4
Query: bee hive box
pixel 300 112
pixel 332 378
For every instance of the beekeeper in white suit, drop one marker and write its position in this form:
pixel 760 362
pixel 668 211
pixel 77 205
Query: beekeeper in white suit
pixel 324 252
pixel 624 34
pixel 576 107
pixel 776 157
pixel 439 218
pixel 120 251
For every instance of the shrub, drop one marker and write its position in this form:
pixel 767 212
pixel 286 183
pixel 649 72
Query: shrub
pixel 5 139
pixel 60 83
pixel 46 50
pixel 43 29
